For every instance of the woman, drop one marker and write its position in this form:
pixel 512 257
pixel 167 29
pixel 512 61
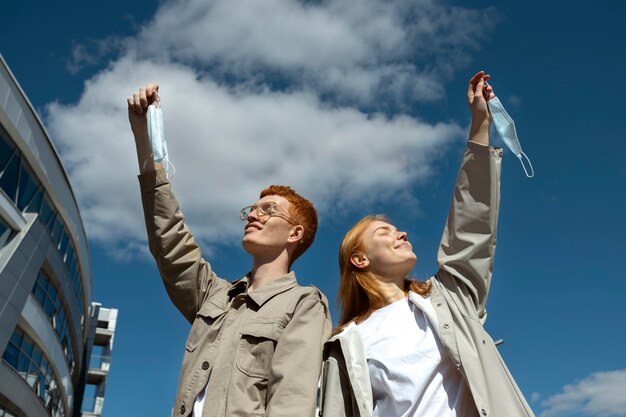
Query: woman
pixel 404 348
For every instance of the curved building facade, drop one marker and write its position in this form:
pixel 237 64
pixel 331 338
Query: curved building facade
pixel 45 276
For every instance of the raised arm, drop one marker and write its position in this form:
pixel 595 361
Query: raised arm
pixel 187 277
pixel 468 244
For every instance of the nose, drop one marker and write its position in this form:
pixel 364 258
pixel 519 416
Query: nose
pixel 402 236
pixel 253 215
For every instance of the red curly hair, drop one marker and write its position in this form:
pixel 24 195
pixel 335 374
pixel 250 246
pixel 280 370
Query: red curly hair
pixel 302 212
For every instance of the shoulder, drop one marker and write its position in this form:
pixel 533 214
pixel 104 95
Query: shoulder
pixel 347 343
pixel 310 304
pixel 309 293
pixel 348 334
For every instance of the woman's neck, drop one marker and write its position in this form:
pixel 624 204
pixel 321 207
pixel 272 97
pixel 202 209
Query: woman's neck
pixel 393 291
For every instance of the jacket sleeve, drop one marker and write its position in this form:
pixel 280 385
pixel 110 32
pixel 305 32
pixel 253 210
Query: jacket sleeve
pixel 468 244
pixel 187 277
pixel 297 361
pixel 336 397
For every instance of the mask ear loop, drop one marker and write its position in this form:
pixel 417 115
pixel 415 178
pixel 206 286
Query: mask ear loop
pixel 167 168
pixel 532 171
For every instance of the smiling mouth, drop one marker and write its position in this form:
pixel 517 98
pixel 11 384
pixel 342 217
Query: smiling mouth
pixel 404 245
pixel 252 226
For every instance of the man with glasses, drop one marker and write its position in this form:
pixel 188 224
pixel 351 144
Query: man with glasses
pixel 255 344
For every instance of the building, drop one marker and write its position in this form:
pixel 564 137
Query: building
pixel 47 320
pixel 102 330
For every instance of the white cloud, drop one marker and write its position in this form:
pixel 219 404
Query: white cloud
pixel 342 50
pixel 91 52
pixel 227 146
pixel 601 395
pixel 263 92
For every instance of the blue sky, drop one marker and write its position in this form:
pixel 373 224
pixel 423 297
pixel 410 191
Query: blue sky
pixel 284 93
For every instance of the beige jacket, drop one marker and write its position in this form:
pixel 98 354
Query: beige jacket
pixel 259 352
pixel 455 307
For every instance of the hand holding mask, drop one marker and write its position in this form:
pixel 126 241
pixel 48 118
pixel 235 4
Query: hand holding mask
pixel 506 129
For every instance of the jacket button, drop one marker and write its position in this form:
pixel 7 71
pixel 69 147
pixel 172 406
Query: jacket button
pixel 205 365
pixel 446 326
pixel 438 304
pixel 483 412
pixel 484 342
pixel 182 409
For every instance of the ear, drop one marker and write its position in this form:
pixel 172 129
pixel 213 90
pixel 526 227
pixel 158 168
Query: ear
pixel 359 260
pixel 296 234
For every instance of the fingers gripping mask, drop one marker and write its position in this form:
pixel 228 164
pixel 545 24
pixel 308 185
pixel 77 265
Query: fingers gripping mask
pixel 506 129
pixel 156 134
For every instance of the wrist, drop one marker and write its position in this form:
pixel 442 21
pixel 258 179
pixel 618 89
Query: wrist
pixel 479 132
pixel 480 123
pixel 481 119
pixel 144 152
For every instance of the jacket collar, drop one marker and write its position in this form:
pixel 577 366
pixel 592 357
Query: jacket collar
pixel 261 295
pixel 238 287
pixel 425 304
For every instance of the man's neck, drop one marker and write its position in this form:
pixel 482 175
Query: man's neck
pixel 266 271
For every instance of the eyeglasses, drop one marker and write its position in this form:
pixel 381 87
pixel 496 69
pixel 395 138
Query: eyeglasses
pixel 264 210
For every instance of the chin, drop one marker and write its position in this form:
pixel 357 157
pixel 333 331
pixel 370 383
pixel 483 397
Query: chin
pixel 248 244
pixel 410 262
pixel 256 246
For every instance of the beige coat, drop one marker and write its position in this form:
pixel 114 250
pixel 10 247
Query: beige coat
pixel 259 352
pixel 456 308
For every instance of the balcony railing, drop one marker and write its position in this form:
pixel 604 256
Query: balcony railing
pixel 101 362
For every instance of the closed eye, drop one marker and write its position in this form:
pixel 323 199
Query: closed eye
pixel 384 230
pixel 267 208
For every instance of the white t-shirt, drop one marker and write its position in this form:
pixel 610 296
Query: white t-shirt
pixel 410 371
pixel 198 405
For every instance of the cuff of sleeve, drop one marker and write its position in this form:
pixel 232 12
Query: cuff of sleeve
pixel 484 149
pixel 152 179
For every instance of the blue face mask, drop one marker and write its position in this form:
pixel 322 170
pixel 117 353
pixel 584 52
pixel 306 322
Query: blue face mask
pixel 156 134
pixel 506 129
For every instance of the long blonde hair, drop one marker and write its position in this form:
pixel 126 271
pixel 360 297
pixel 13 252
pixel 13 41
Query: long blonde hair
pixel 360 292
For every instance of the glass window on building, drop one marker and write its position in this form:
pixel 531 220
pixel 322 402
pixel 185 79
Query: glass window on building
pixel 47 213
pixel 64 241
pixel 28 186
pixel 6 410
pixel 21 185
pixel 6 233
pixel 10 175
pixel 89 399
pixel 35 202
pixel 12 352
pixel 7 149
pixel 71 260
pixel 17 179
pixel 58 230
pixel 31 364
pixel 100 357
pixel 51 302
